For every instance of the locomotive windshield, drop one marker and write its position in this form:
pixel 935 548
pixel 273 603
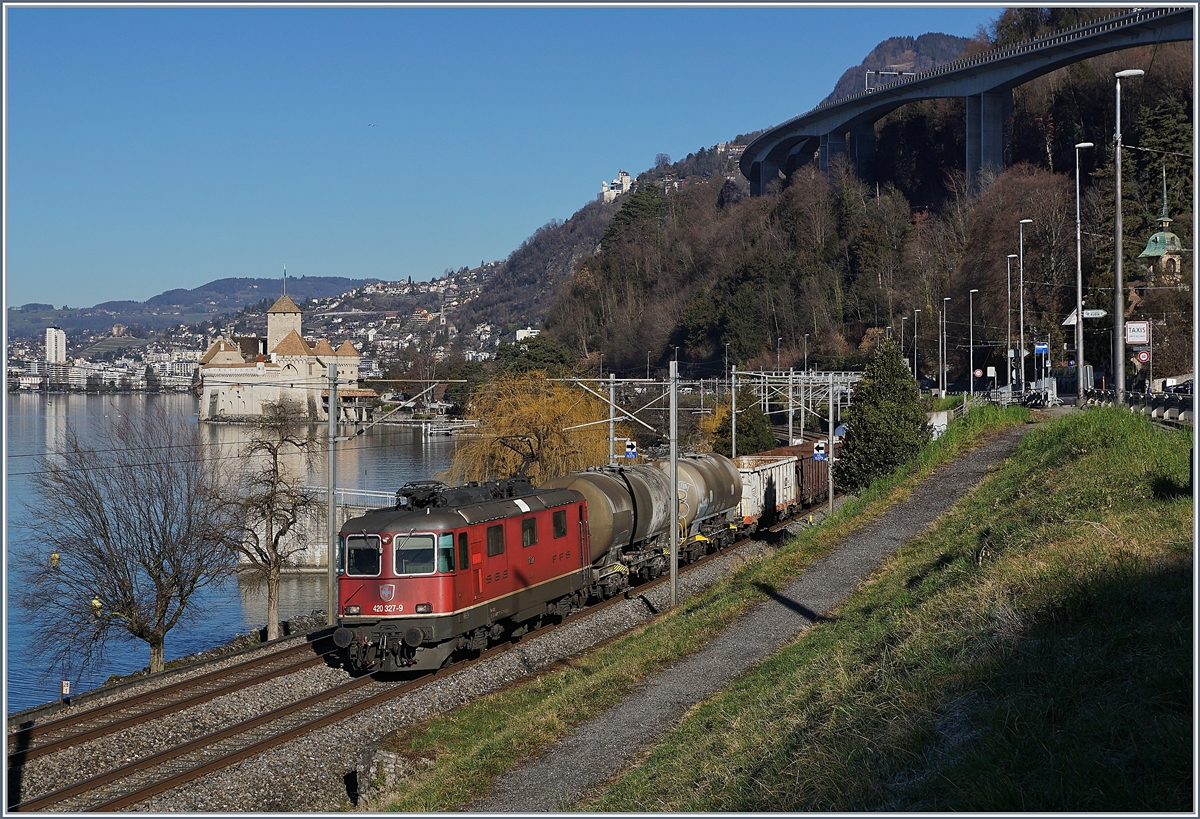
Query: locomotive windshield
pixel 362 553
pixel 414 554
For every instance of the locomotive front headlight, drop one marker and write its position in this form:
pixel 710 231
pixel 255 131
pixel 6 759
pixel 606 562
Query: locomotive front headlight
pixel 351 610
pixel 424 608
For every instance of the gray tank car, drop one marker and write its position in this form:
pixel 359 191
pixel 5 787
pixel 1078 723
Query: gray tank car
pixel 629 514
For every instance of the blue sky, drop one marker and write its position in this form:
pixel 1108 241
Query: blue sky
pixel 153 148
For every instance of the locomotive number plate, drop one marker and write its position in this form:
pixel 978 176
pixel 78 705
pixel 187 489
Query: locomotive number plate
pixel 389 608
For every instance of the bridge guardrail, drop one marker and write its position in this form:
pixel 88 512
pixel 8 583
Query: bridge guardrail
pixel 1086 30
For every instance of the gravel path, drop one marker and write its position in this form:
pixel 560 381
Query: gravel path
pixel 598 749
pixel 318 772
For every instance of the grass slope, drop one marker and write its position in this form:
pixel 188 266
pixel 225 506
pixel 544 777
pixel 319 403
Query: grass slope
pixel 1031 652
pixel 469 747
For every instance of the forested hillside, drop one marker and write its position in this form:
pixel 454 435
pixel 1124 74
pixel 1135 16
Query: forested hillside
pixel 839 260
pixel 901 54
pixel 519 292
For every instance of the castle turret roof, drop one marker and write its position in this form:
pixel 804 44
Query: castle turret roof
pixel 222 351
pixel 347 349
pixel 292 344
pixel 323 348
pixel 284 304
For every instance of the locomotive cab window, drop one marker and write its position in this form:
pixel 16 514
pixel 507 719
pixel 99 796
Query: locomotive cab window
pixel 495 540
pixel 560 523
pixel 362 555
pixel 414 554
pixel 464 553
pixel 529 532
pixel 446 552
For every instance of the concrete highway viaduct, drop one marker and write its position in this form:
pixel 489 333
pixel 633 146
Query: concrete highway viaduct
pixel 847 125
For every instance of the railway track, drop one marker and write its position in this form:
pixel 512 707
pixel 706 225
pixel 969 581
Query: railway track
pixel 30 742
pixel 129 784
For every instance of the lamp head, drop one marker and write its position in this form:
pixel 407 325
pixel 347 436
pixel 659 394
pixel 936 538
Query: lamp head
pixel 1079 145
pixel 976 290
pixel 1130 72
pixel 1026 222
pixel 1012 255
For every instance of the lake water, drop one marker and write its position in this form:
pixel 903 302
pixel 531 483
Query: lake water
pixel 383 458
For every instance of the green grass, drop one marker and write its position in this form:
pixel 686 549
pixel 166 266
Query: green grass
pixel 476 743
pixel 1032 652
pixel 950 402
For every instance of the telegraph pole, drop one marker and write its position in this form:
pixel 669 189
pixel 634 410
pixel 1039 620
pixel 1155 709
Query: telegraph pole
pixel 612 417
pixel 733 411
pixel 791 410
pixel 331 471
pixel 674 480
pixel 829 457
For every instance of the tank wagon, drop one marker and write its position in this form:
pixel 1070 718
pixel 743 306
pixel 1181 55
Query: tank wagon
pixel 449 571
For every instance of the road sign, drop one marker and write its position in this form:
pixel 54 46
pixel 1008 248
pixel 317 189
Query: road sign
pixel 631 449
pixel 1041 348
pixel 1094 313
pixel 979 373
pixel 819 451
pixel 1143 356
pixel 1137 332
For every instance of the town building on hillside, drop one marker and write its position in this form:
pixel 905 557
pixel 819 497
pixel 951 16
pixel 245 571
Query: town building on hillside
pixel 56 346
pixel 1164 252
pixel 611 190
pixel 239 376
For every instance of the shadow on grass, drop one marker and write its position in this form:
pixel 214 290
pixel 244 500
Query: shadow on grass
pixel 1166 489
pixel 1091 710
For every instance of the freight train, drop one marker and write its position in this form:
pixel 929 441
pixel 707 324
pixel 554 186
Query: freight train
pixel 449 571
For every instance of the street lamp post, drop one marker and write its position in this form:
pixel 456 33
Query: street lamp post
pixel 806 352
pixel 945 346
pixel 1079 284
pixel 971 355
pixel 916 375
pixel 902 320
pixel 1021 286
pixel 1118 251
pixel 778 341
pixel 727 361
pixel 647 365
pixel 1008 353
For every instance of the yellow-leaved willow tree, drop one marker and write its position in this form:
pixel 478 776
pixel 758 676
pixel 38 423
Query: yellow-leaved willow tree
pixel 526 423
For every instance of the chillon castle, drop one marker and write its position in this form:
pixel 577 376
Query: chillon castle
pixel 240 375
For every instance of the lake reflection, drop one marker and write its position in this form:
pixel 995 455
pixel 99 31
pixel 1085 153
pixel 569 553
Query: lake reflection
pixel 382 459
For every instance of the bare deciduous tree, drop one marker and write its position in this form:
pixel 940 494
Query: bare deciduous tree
pixel 130 524
pixel 272 500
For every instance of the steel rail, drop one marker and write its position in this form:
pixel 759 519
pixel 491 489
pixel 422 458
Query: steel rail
pixel 167 755
pixel 59 723
pixel 179 778
pixel 23 755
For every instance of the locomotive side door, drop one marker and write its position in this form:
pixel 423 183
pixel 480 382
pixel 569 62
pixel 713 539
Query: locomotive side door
pixel 476 565
pixel 493 568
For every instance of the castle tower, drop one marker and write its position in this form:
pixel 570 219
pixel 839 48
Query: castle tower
pixel 282 318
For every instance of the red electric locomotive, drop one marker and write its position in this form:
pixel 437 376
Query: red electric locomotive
pixel 450 569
